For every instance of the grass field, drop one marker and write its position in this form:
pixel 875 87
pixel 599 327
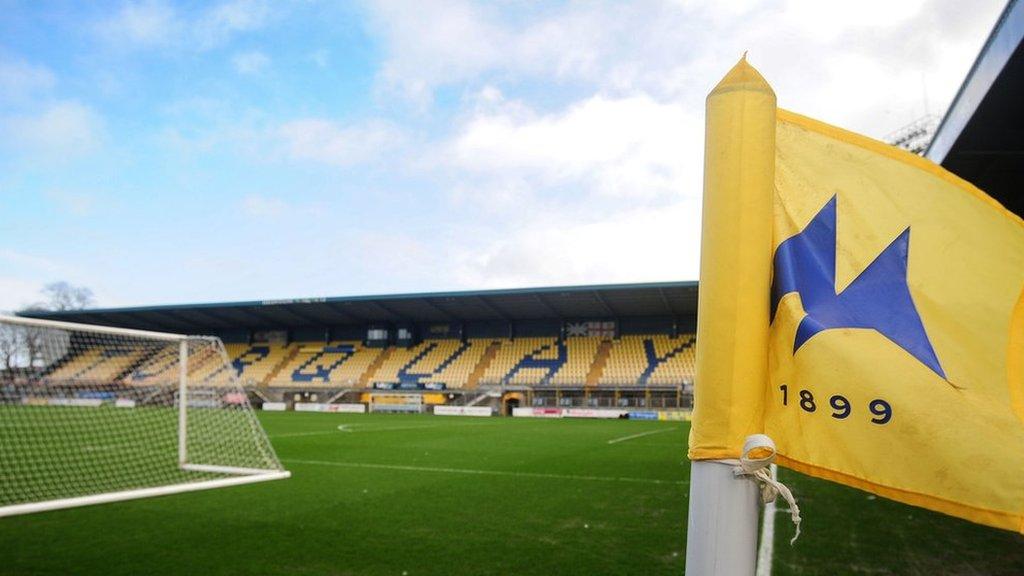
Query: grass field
pixel 422 495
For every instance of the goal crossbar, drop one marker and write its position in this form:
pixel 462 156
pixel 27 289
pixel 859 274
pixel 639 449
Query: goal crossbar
pixel 92 328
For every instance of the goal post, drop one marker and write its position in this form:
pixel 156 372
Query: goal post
pixel 93 414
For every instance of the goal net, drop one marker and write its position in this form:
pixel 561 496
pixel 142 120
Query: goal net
pixel 91 414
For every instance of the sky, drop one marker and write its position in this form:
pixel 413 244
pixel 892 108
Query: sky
pixel 160 152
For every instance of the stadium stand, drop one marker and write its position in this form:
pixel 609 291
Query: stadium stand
pixel 590 346
pixel 632 360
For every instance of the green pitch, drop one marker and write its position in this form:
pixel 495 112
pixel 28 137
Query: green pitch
pixel 458 496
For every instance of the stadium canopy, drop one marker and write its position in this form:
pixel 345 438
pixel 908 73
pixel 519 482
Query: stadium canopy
pixel 664 299
pixel 981 137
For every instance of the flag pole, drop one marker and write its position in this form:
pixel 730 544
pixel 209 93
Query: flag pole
pixel 732 322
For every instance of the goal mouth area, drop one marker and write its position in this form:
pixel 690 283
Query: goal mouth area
pixel 97 414
pixel 241 476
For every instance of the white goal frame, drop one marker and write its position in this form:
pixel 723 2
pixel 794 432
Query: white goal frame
pixel 239 476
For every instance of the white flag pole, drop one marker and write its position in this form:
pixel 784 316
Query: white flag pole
pixel 721 533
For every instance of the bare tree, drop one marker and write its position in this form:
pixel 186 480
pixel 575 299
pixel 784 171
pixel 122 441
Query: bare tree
pixel 60 296
pixel 22 347
pixel 27 348
pixel 8 347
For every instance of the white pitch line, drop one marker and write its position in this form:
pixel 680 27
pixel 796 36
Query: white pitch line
pixel 766 550
pixel 487 472
pixel 641 435
pixel 298 434
pixel 345 428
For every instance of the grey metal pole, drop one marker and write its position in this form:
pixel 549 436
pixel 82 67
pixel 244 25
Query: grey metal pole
pixel 721 532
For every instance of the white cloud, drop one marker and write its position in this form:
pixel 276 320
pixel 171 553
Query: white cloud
pixel 428 43
pixel 21 81
pixel 321 58
pixel 17 293
pixel 76 203
pixel 147 23
pixel 632 245
pixel 606 189
pixel 156 23
pixel 632 147
pixel 823 20
pixel 15 258
pixel 252 62
pixel 24 275
pixel 864 65
pixel 222 21
pixel 294 209
pixel 328 142
pixel 200 125
pixel 62 130
pixel 263 206
pixel 603 44
pixel 206 126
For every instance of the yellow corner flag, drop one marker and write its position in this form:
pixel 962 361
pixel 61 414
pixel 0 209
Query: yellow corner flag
pixel 876 333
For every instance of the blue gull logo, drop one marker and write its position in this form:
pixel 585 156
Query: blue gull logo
pixel 878 299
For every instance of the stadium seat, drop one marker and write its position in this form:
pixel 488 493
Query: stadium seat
pixel 101 363
pixel 654 359
pixel 319 364
pixel 443 361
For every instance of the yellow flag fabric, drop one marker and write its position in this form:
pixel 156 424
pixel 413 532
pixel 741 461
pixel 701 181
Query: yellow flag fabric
pixel 895 354
pixel 735 264
pixel 905 379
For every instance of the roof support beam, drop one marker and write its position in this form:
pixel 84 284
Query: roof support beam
pixel 388 310
pixel 544 303
pixel 444 313
pixel 666 301
pixel 270 320
pixel 605 305
pixel 219 320
pixel 288 309
pixel 490 306
pixel 344 311
pixel 173 322
pixel 134 322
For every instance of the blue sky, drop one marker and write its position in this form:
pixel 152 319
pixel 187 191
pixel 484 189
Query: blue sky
pixel 162 152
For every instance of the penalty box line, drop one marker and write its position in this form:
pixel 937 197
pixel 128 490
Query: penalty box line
pixel 470 471
pixel 640 435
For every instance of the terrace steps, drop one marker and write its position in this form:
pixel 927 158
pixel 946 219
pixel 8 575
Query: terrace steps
pixel 379 361
pixel 276 370
pixel 482 365
pixel 600 360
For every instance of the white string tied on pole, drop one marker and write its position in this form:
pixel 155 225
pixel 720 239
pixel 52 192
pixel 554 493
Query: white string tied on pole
pixel 758 455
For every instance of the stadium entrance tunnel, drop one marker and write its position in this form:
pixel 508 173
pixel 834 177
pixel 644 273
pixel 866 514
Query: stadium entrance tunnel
pixel 510 402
